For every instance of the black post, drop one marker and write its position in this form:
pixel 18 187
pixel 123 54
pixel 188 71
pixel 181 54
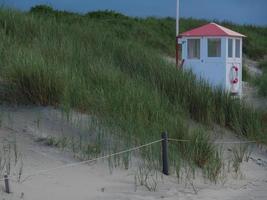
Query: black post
pixel 165 164
pixel 7 189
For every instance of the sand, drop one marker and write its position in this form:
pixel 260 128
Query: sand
pixel 252 66
pixel 94 181
pixel 251 97
pixel 250 91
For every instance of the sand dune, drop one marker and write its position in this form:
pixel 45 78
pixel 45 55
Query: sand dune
pixel 94 181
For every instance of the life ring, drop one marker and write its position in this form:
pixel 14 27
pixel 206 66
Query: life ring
pixel 234 75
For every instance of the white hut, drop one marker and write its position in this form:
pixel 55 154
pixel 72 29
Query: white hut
pixel 214 53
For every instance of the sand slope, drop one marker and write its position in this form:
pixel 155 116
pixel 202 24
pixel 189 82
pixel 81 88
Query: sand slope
pixel 95 181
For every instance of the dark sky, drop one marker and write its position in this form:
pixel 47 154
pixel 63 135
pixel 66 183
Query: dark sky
pixel 239 11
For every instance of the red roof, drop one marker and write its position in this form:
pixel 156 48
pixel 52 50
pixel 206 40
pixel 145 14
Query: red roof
pixel 211 29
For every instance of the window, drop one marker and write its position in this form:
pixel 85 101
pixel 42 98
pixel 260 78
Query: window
pixel 230 48
pixel 193 48
pixel 214 47
pixel 237 48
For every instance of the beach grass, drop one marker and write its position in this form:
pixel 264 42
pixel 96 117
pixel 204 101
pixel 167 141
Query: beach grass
pixel 112 67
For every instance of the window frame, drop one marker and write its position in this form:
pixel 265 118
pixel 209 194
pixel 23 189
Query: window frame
pixel 214 57
pixel 199 50
pixel 239 48
pixel 232 49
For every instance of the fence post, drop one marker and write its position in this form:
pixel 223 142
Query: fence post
pixel 7 189
pixel 165 164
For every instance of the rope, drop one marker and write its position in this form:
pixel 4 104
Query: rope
pixel 176 140
pixel 226 142
pixel 235 142
pixel 86 161
pixel 119 153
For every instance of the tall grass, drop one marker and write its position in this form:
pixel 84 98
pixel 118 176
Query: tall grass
pixel 263 64
pixel 262 80
pixel 113 68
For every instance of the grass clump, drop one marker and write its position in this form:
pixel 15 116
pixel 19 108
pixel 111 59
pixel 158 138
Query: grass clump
pixel 201 149
pixel 245 74
pixel 240 153
pixel 261 81
pixel 11 162
pixel 36 83
pixel 263 64
pixel 205 155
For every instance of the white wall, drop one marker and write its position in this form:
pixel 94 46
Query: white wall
pixel 211 69
pixel 215 70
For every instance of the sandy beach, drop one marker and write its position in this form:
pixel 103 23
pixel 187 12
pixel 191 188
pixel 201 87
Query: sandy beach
pixel 95 180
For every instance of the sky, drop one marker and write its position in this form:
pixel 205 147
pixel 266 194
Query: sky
pixel 238 11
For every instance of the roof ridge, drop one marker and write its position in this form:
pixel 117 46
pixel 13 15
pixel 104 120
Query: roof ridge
pixel 227 30
pixel 221 27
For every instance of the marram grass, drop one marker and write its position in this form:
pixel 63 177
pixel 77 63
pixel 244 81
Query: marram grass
pixel 111 69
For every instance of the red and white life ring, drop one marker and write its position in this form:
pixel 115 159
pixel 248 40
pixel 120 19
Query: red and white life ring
pixel 234 75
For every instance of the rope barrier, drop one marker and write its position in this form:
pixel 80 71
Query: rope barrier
pixel 223 142
pixel 119 153
pixel 236 142
pixel 176 140
pixel 86 161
